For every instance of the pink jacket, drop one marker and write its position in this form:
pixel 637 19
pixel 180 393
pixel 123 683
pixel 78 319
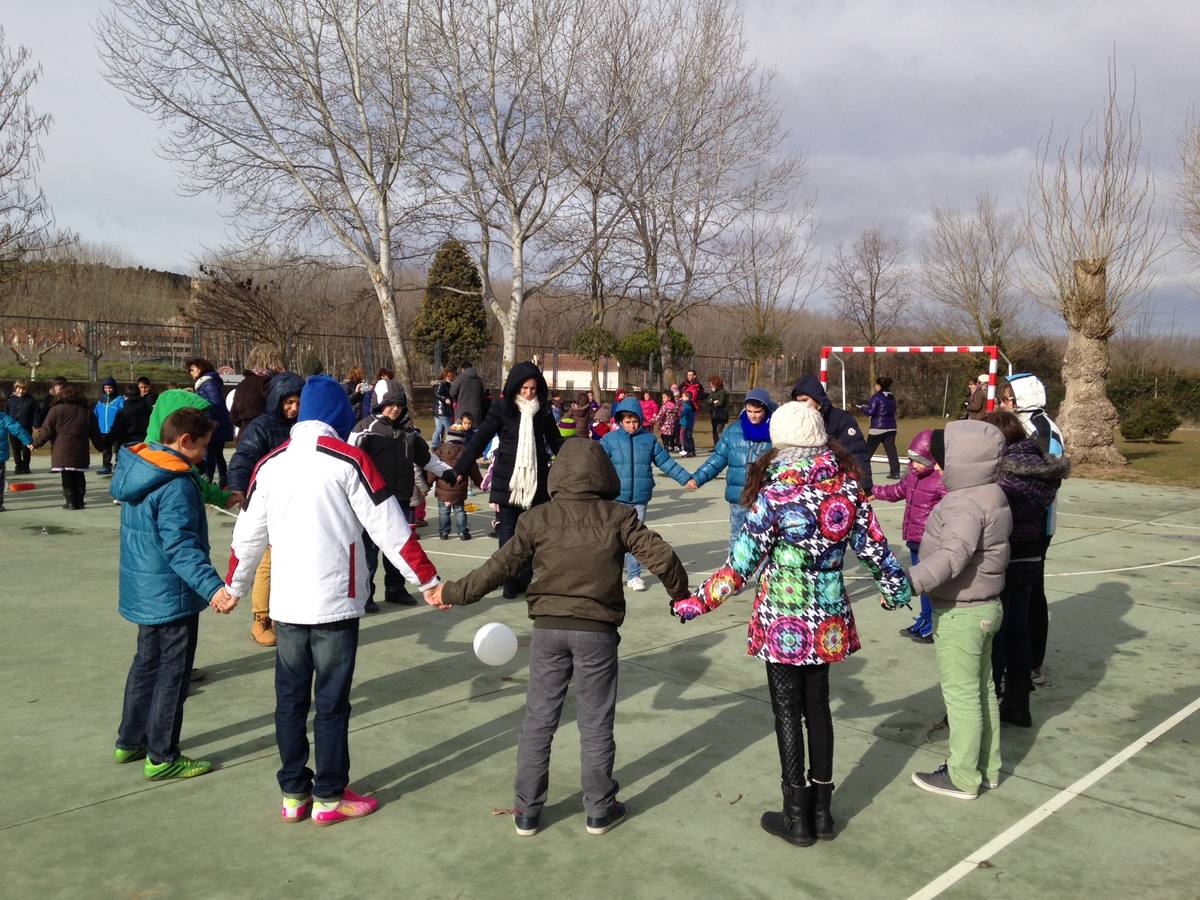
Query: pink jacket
pixel 920 493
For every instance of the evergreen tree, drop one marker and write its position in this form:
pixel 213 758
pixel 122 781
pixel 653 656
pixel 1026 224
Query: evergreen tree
pixel 452 310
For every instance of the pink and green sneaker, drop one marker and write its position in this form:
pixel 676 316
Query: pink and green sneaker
pixel 351 806
pixel 179 768
pixel 296 809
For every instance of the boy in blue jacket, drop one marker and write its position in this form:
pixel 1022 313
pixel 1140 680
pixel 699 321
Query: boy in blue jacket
pixel 111 402
pixel 634 452
pixel 166 580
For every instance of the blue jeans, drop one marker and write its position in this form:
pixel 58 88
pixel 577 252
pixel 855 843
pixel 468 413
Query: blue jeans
pixel 737 518
pixel 635 567
pixel 441 424
pixel 327 652
pixel 460 518
pixel 925 619
pixel 156 687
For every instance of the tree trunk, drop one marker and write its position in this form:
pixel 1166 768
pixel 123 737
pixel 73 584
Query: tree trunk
pixel 511 324
pixel 1087 417
pixel 391 326
pixel 666 362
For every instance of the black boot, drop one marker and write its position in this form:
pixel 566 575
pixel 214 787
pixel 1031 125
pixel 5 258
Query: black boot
pixel 793 824
pixel 822 817
pixel 68 490
pixel 79 491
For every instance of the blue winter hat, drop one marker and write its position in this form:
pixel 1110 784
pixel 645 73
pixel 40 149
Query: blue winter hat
pixel 324 400
pixel 762 398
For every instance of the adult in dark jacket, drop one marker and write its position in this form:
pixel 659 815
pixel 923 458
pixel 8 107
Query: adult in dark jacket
pixel 250 401
pixel 528 436
pixel 744 441
pixel 839 425
pixel 1030 480
pixel 882 410
pixel 443 408
pixel 209 386
pixel 67 427
pixel 24 409
pixel 467 392
pixel 718 407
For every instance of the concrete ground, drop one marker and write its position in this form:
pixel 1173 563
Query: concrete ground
pixel 434 735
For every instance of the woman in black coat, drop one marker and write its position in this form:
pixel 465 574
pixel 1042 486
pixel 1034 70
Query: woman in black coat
pixel 522 458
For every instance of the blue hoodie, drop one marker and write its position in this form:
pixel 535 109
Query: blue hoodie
pixel 166 570
pixel 106 410
pixel 324 400
pixel 635 455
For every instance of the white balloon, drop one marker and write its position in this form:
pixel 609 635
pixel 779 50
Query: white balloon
pixel 495 644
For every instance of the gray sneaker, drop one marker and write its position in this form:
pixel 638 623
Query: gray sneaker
pixel 938 782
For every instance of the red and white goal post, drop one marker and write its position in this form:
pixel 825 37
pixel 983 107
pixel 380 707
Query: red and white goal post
pixel 993 353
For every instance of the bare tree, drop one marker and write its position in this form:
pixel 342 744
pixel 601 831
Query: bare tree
pixel 867 284
pixel 24 214
pixel 31 345
pixel 968 268
pixel 1189 187
pixel 300 112
pixel 774 266
pixel 1094 236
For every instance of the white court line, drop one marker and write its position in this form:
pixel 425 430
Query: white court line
pixel 431 552
pixel 1129 521
pixel 972 862
pixel 1169 562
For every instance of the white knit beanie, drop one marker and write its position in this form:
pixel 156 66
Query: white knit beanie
pixel 797 424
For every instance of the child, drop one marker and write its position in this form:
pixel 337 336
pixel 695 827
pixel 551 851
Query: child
pixel 668 420
pixel 576 608
pixel 312 500
pixel 964 554
pixel 24 409
pixel 167 403
pixel 10 427
pixel 920 489
pixel 166 581
pixel 601 422
pixel 106 411
pixel 687 424
pixel 261 435
pixel 634 452
pixel 67 427
pixel 649 409
pixel 451 499
pixel 466 424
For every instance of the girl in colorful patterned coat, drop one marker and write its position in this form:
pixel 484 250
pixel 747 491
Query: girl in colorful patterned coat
pixel 806 506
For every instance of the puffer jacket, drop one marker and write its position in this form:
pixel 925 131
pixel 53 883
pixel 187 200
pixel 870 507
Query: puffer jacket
pixel 395 447
pixel 965 548
pixel 67 427
pixel 310 500
pixel 577 543
pixel 735 451
pixel 920 491
pixel 9 425
pixel 166 570
pixel 635 455
pixel 24 410
pixel 133 421
pixel 107 407
pixel 265 432
pixel 1030 480
pixel 839 425
pixel 504 420
pixel 1030 395
pixel 668 418
pixel 209 386
pixel 801 523
pixel 882 410
pixel 450 451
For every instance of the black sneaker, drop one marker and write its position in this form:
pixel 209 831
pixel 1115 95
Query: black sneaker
pixel 527 826
pixel 400 597
pixel 198 675
pixel 465 536
pixel 1019 717
pixel 938 782
pixel 605 824
pixel 372 606
pixel 922 638
pixel 443 537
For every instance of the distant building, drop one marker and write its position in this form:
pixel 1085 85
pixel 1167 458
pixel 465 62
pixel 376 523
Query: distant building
pixel 570 372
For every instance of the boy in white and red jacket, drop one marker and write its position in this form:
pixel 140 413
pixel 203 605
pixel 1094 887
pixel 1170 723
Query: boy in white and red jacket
pixel 311 499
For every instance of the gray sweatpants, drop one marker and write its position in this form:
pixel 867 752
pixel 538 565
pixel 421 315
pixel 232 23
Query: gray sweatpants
pixel 554 657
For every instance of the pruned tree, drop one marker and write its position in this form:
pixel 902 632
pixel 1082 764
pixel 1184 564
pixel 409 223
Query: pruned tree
pixel 867 284
pixel 299 112
pixel 31 346
pixel 24 213
pixel 969 271
pixel 774 269
pixel 1094 235
pixel 452 311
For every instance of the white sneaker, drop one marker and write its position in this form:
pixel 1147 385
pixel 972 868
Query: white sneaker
pixel 636 584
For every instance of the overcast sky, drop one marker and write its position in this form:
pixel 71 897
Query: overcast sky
pixel 896 105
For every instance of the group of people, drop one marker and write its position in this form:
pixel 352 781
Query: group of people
pixel 337 488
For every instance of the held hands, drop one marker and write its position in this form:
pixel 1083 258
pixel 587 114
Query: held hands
pixel 433 597
pixel 449 477
pixel 236 498
pixel 222 601
pixel 691 485
pixel 687 609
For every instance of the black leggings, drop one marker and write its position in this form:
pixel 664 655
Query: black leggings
pixel 74 489
pixel 1039 612
pixel 888 439
pixel 801 694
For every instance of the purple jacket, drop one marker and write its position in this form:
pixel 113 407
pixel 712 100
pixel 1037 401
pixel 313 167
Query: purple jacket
pixel 920 491
pixel 1030 481
pixel 882 410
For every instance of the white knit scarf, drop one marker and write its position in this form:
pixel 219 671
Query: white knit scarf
pixel 522 486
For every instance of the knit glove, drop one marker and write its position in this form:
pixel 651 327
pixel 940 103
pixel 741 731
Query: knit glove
pixel 449 478
pixel 687 609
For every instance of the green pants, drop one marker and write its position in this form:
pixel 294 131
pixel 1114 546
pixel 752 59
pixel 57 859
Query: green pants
pixel 963 645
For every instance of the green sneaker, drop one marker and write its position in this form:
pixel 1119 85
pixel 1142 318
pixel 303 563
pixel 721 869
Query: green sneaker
pixel 128 756
pixel 180 768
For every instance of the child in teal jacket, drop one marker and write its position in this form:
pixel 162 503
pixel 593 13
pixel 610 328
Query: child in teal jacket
pixel 9 425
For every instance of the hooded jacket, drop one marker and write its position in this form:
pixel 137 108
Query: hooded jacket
pixel 9 425
pixel 450 451
pixel 311 499
pixel 577 543
pixel 467 393
pixel 167 403
pixel 635 455
pixel 504 420
pixel 882 410
pixel 250 398
pixel 209 386
pixel 740 444
pixel 23 409
pixel 1030 395
pixel 965 548
pixel 395 447
pixel 67 427
pixel 920 491
pixel 808 512
pixel 266 432
pixel 166 571
pixel 107 407
pixel 840 426
pixel 1030 480
pixel 133 421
